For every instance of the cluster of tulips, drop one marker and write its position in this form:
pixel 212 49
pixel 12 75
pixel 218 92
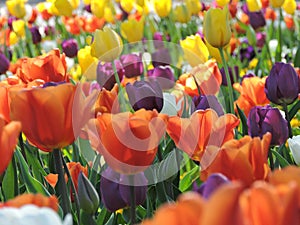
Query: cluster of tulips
pixel 150 112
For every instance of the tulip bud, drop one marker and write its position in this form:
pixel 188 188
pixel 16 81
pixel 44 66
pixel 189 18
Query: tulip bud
pixel 35 34
pixel 133 30
pixel 267 119
pixel 294 144
pixel 163 75
pixel 216 27
pixel 256 19
pixel 207 101
pixel 276 3
pixel 105 74
pixel 87 195
pixel 145 94
pixel 161 57
pixel 70 47
pixel 162 7
pixel 282 84
pixel 4 63
pixel 132 64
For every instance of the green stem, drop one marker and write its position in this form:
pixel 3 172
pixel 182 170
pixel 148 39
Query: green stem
pixel 270 154
pixel 229 85
pixel 22 146
pixel 132 200
pixel 279 46
pixel 61 187
pixel 287 117
pixel 121 90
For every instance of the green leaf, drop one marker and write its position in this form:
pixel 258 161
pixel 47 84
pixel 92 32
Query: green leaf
pixel 297 58
pixel 188 179
pixel 86 150
pixel 103 216
pixel 10 181
pixel 32 185
pixel 243 120
pixel 282 161
pixel 294 110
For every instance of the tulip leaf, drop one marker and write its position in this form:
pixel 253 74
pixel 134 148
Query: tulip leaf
pixel 86 150
pixel 188 179
pixel 32 185
pixel 243 120
pixel 282 161
pixel 294 110
pixel 10 181
pixel 103 216
pixel 297 58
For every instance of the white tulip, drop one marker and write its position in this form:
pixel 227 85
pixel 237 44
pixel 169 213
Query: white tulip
pixel 294 144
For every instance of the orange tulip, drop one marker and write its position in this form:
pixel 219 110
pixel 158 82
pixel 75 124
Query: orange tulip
pixel 9 134
pixel 51 117
pixel 202 129
pixel 51 67
pixel 206 76
pixel 75 168
pixel 270 14
pixel 35 199
pixel 245 159
pixel 4 110
pixel 252 93
pixel 285 176
pixel 128 141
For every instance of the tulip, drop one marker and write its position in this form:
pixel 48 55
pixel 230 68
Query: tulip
pixel 115 189
pixel 233 72
pixel 70 47
pixel 276 3
pixel 203 128
pixel 107 45
pixel 16 8
pixel 145 94
pixel 9 133
pixel 61 8
pixel 75 169
pixel 245 159
pixel 182 14
pixel 289 6
pixel 161 57
pixel 285 175
pixel 294 144
pixel 162 7
pixel 132 64
pixel 85 59
pixel 193 6
pixel 35 34
pixel 282 84
pixel 194 49
pixel 4 63
pixel 260 39
pixel 267 119
pixel 205 102
pixel 97 7
pixel 133 30
pixel 251 93
pixel 163 75
pixel 216 27
pixel 107 101
pixel 128 141
pixel 257 19
pixel 105 74
pixel 253 5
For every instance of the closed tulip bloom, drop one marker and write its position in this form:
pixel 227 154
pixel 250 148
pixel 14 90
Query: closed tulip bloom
pixel 4 63
pixel 133 30
pixel 206 102
pixel 35 34
pixel 161 57
pixel 282 84
pixel 70 47
pixel 294 145
pixel 203 128
pixel 16 8
pixel 128 141
pixel 9 133
pixel 107 45
pixel 98 7
pixel 162 7
pixel 182 14
pixel 163 75
pixel 145 94
pixel 254 5
pixel 216 27
pixel 132 64
pixel 267 119
pixel 257 19
pixel 289 6
pixel 276 3
pixel 194 6
pixel 194 49
pixel 85 59
pixel 105 74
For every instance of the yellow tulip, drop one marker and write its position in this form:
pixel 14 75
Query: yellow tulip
pixel 216 27
pixel 86 2
pixel 13 38
pixel 162 7
pixel 215 53
pixel 276 3
pixel 194 50
pixel 127 5
pixel 194 6
pixel 222 3
pixel 133 30
pixel 254 5
pixel 61 8
pixel 16 8
pixel 107 45
pixel 182 14
pixel 19 27
pixel 143 7
pixel 109 14
pixel 289 6
pixel 85 59
pixel 98 7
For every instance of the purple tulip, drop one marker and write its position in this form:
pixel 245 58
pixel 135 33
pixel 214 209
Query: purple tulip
pixel 163 75
pixel 145 94
pixel 260 39
pixel 35 34
pixel 132 64
pixel 10 21
pixel 212 183
pixel 88 8
pixel 161 57
pixel 245 8
pixel 4 63
pixel 282 84
pixel 70 47
pixel 105 74
pixel 267 119
pixel 206 102
pixel 234 75
pixel 115 193
pixel 257 19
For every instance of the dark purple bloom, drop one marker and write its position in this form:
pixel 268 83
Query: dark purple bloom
pixel 132 64
pixel 260 39
pixel 88 8
pixel 105 74
pixel 70 47
pixel 234 75
pixel 145 94
pixel 163 75
pixel 158 39
pixel 245 8
pixel 36 35
pixel 257 19
pixel 248 75
pixel 115 189
pixel 51 84
pixel 161 57
pixel 247 53
pixel 267 119
pixel 206 102
pixel 4 63
pixel 212 183
pixel 282 84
